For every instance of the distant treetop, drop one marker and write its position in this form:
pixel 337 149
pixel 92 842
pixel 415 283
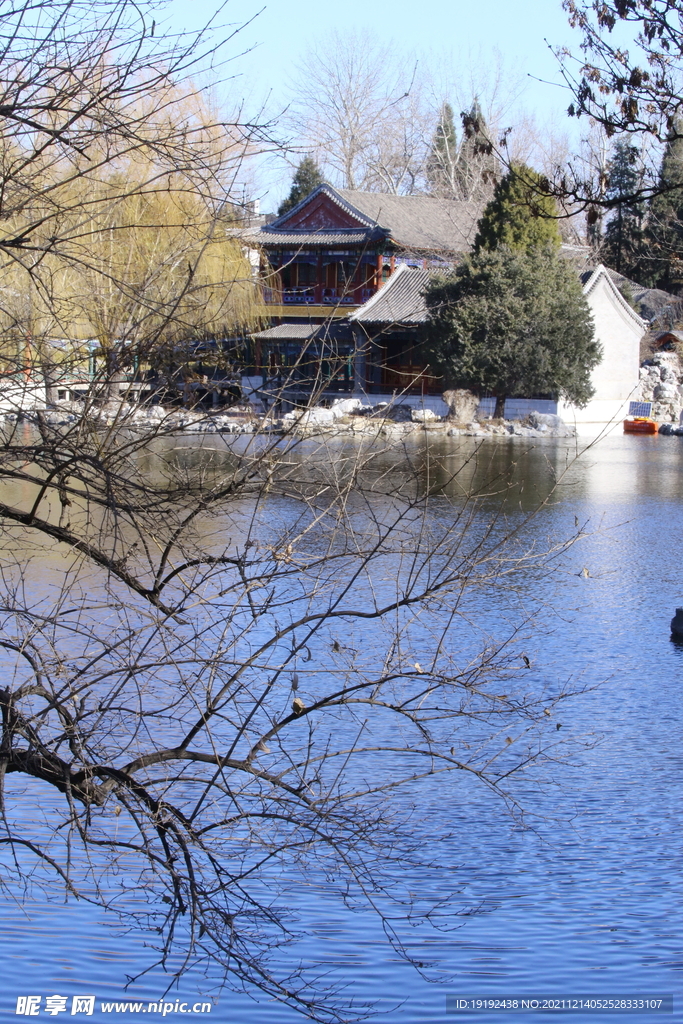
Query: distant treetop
pixel 306 178
pixel 521 215
pixel 477 168
pixel 443 155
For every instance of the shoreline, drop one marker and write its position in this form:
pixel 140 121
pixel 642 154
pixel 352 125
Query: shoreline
pixel 314 422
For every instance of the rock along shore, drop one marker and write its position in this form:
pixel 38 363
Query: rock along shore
pixel 344 417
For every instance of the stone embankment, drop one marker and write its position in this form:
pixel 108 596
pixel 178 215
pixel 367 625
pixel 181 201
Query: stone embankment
pixel 344 417
pixel 238 421
pixel 351 416
pixel 661 382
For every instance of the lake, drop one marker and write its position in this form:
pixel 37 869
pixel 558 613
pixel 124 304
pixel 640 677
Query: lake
pixel 582 897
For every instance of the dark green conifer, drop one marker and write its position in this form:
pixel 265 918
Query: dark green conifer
pixel 306 178
pixel 476 168
pixel 514 324
pixel 443 156
pixel 664 234
pixel 622 243
pixel 520 216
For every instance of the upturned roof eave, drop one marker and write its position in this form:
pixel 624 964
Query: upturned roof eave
pixel 324 237
pixel 332 193
pixel 601 273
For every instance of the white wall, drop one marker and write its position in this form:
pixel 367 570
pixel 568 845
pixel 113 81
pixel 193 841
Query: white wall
pixel 599 416
pixel 619 329
pixel 21 395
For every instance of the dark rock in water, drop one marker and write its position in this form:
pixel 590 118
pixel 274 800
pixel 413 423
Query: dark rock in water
pixel 666 428
pixel 398 413
pixel 677 624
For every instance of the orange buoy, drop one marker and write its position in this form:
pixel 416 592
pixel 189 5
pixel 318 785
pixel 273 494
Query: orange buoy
pixel 640 425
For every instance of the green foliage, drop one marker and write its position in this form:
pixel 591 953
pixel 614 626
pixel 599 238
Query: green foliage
pixel 513 324
pixel 306 178
pixel 520 216
pixel 476 169
pixel 441 163
pixel 627 293
pixel 623 243
pixel 664 235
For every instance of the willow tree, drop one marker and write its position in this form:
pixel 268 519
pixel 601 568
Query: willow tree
pixel 116 187
pixel 152 273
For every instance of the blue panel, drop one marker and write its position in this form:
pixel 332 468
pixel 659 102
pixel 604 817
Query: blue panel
pixel 640 409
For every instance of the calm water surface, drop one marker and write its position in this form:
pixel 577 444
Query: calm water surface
pixel 589 899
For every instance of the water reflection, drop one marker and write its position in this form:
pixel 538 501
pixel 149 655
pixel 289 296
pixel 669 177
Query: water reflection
pixel 589 900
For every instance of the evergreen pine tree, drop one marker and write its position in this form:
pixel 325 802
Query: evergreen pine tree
pixel 664 234
pixel 476 168
pixel 513 323
pixel 622 243
pixel 520 216
pixel 443 156
pixel 307 177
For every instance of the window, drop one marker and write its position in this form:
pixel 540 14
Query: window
pixel 307 273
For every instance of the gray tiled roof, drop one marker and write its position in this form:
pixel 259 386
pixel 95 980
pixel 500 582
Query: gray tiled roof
pixel 651 303
pixel 299 239
pixel 414 223
pixel 399 301
pixel 419 222
pixel 334 331
pixel 287 332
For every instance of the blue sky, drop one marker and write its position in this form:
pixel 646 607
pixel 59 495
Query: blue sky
pixel 439 32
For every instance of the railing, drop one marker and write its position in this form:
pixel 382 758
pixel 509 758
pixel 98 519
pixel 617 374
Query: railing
pixel 306 296
pixel 289 296
pixel 338 297
pixel 298 296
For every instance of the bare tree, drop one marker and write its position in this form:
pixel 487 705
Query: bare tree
pixel 628 86
pixel 227 662
pixel 241 662
pixel 360 111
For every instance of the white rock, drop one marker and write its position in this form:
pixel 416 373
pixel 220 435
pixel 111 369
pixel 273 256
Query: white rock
pixel 317 417
pixel 345 407
pixel 424 416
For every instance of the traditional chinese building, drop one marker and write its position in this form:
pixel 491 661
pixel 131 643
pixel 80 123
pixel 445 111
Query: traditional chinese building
pixel 330 253
pixel 344 275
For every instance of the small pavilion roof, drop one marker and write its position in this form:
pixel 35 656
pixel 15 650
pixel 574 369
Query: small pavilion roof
pixel 399 301
pixel 676 335
pixel 335 331
pixel 287 332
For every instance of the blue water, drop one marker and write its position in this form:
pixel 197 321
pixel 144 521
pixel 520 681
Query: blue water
pixel 582 896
